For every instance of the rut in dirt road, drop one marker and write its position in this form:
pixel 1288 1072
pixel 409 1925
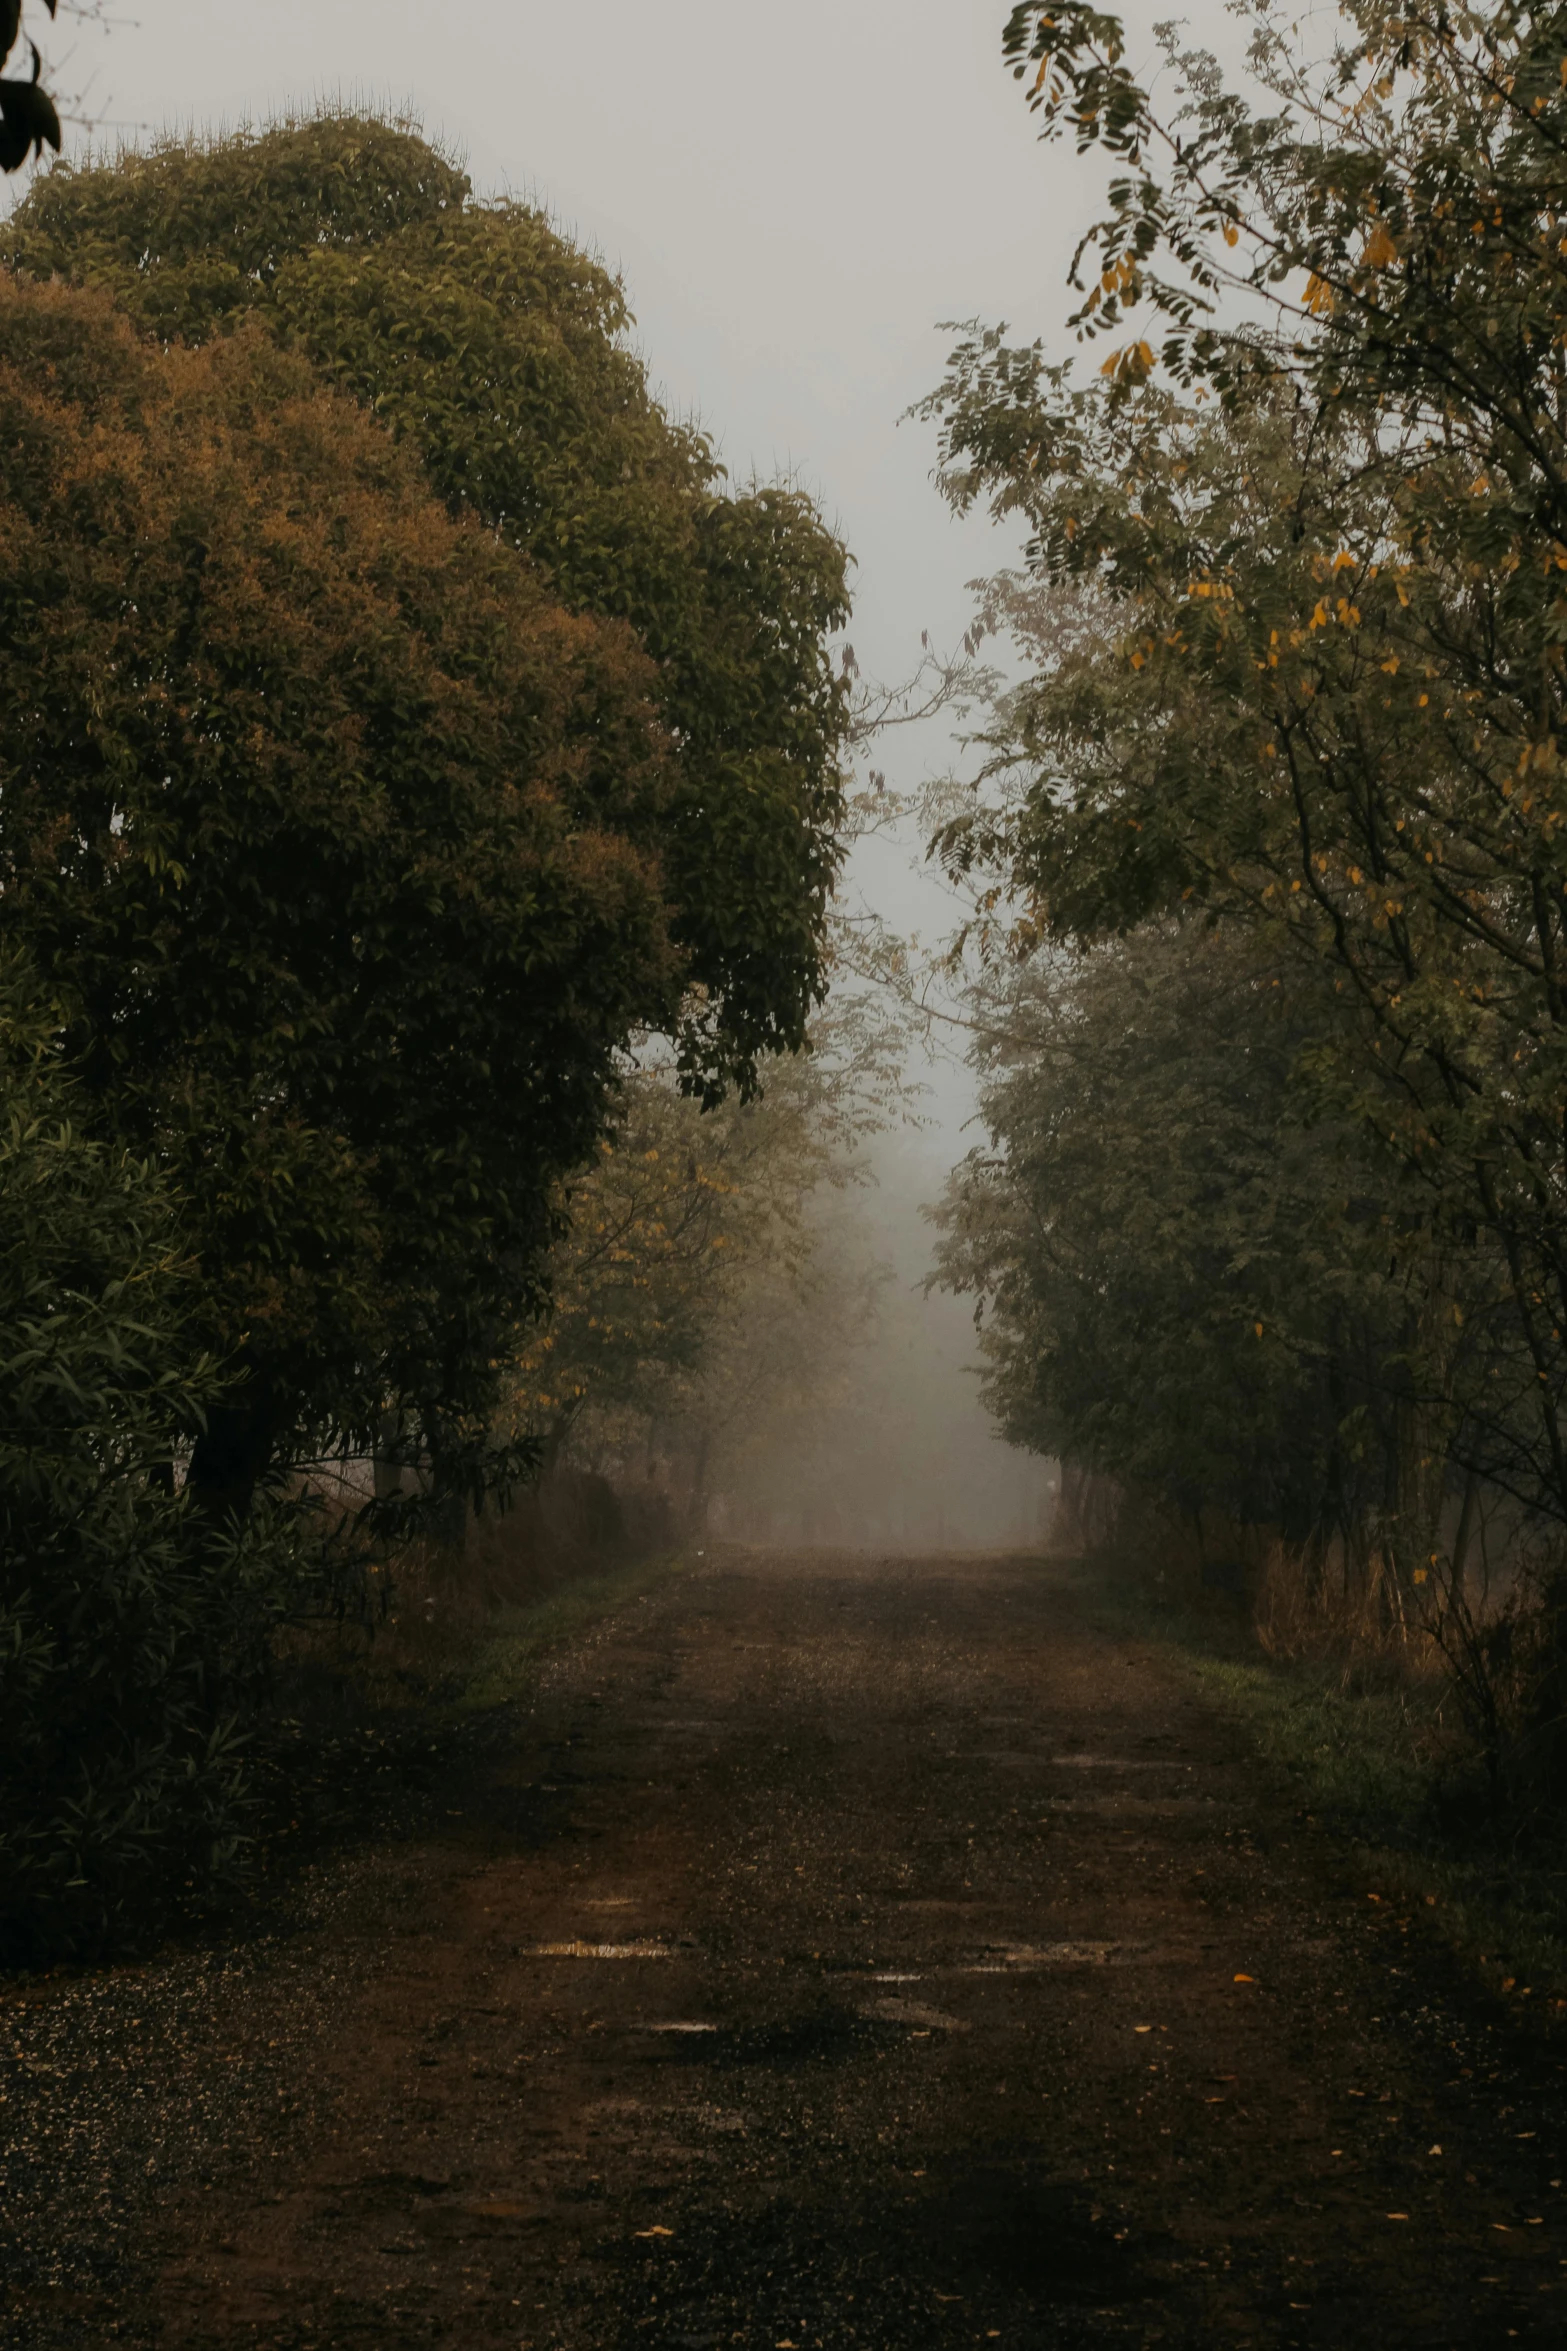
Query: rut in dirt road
pixel 841 1952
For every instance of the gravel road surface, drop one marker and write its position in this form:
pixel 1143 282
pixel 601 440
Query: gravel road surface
pixel 836 1953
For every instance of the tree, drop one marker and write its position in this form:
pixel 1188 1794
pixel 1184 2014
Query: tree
pixel 1189 1278
pixel 498 352
pixel 339 842
pixel 130 1640
pixel 687 1287
pixel 28 121
pixel 1324 699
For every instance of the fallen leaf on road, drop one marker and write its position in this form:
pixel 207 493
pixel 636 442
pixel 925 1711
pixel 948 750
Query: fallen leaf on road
pixel 652 2232
pixel 1245 1979
pixel 1398 2216
pixel 1142 2028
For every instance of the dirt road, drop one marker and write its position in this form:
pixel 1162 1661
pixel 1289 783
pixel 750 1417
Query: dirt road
pixel 835 1952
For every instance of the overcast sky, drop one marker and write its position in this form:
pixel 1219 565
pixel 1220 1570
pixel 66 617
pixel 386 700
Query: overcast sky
pixel 795 195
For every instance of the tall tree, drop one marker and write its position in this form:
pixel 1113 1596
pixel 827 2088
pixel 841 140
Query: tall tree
pixel 499 352
pixel 1315 494
pixel 338 842
pixel 1189 1278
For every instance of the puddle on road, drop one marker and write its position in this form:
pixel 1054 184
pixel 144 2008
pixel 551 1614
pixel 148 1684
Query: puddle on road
pixel 1163 1805
pixel 1029 1958
pixel 829 2036
pixel 596 1951
pixel 916 2016
pixel 1021 1957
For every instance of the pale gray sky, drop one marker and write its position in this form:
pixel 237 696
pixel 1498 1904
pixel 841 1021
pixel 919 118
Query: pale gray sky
pixel 795 196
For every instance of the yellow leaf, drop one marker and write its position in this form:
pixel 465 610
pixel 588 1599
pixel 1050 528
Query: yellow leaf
pixel 1246 1979
pixel 1130 366
pixel 1259 1330
pixel 1380 249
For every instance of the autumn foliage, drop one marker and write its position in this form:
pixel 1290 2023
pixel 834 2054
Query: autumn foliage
pixel 336 838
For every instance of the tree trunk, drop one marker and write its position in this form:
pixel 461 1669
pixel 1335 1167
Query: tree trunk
pixel 233 1454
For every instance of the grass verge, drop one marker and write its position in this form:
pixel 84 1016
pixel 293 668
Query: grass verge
pixel 517 1640
pixel 1384 1766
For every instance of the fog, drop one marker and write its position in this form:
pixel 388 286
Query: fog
pixel 906 1456
pixel 796 201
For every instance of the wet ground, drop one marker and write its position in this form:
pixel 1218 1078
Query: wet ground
pixel 840 1954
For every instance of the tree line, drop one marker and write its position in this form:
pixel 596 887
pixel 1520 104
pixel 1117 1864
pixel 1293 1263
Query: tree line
pixel 403 720
pixel 1267 848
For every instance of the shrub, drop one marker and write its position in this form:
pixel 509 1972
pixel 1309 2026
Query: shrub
pixel 132 1632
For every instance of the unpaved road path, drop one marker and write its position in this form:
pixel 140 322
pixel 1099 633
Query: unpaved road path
pixel 854 1953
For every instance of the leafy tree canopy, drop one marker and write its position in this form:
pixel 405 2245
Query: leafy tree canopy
pixel 499 352
pixel 1191 1279
pixel 339 842
pixel 1320 685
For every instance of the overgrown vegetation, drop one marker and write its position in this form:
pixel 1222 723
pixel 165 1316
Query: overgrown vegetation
pixel 1372 1740
pixel 406 726
pixel 133 1632
pixel 1266 851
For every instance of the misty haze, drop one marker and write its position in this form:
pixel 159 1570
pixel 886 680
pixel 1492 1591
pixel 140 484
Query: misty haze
pixel 783 1178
